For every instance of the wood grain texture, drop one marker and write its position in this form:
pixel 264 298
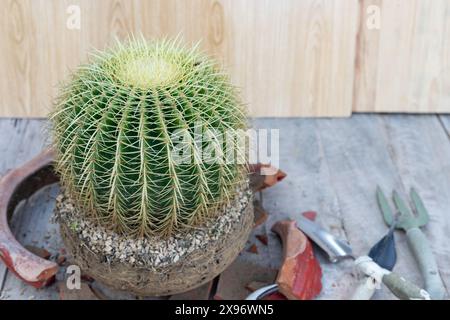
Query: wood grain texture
pixel 359 159
pixel 306 187
pixel 333 167
pixel 366 61
pixel 291 58
pixel 405 65
pixel 421 153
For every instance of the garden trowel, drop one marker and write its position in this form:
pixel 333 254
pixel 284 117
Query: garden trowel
pixel 417 241
pixel 384 254
pixel 338 250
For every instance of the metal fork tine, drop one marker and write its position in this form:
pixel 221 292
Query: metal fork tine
pixel 419 207
pixel 384 207
pixel 401 207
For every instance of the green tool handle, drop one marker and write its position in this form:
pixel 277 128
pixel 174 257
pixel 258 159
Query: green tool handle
pixel 421 249
pixel 404 289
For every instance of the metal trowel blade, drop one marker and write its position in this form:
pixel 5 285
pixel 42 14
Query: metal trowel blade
pixel 335 248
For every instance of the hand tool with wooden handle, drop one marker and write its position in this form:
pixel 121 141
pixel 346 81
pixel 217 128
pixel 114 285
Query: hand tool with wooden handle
pixel 338 249
pixel 417 241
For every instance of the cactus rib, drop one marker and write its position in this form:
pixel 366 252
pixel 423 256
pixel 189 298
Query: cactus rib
pixel 113 129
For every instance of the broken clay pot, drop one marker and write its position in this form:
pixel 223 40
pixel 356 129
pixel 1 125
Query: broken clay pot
pixel 263 176
pixel 299 277
pixel 16 186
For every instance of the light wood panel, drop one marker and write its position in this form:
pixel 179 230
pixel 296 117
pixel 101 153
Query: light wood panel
pixel 405 65
pixel 291 58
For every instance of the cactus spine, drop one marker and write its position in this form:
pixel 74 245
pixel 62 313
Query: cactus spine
pixel 113 130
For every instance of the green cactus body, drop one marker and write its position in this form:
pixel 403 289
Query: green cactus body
pixel 113 129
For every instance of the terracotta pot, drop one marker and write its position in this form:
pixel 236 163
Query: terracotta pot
pixel 15 186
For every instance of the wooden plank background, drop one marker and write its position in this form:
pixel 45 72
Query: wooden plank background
pixel 290 57
pixel 404 66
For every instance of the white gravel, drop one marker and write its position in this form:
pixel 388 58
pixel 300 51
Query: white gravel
pixel 149 251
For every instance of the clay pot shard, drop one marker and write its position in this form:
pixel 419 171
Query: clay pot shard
pixel 15 186
pixel 263 176
pixel 300 276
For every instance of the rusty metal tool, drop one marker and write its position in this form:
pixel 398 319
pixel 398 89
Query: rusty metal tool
pixel 417 241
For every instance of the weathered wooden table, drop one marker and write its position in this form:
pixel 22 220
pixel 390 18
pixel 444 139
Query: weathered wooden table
pixel 333 167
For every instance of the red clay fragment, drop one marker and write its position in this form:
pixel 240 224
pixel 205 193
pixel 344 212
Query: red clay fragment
pixel 264 175
pixel 311 215
pixel 262 238
pixel 275 296
pixel 61 260
pixel 260 214
pixel 299 277
pixel 253 249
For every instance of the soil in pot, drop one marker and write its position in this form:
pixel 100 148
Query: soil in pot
pixel 155 266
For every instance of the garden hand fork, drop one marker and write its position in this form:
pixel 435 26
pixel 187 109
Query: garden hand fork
pixel 418 243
